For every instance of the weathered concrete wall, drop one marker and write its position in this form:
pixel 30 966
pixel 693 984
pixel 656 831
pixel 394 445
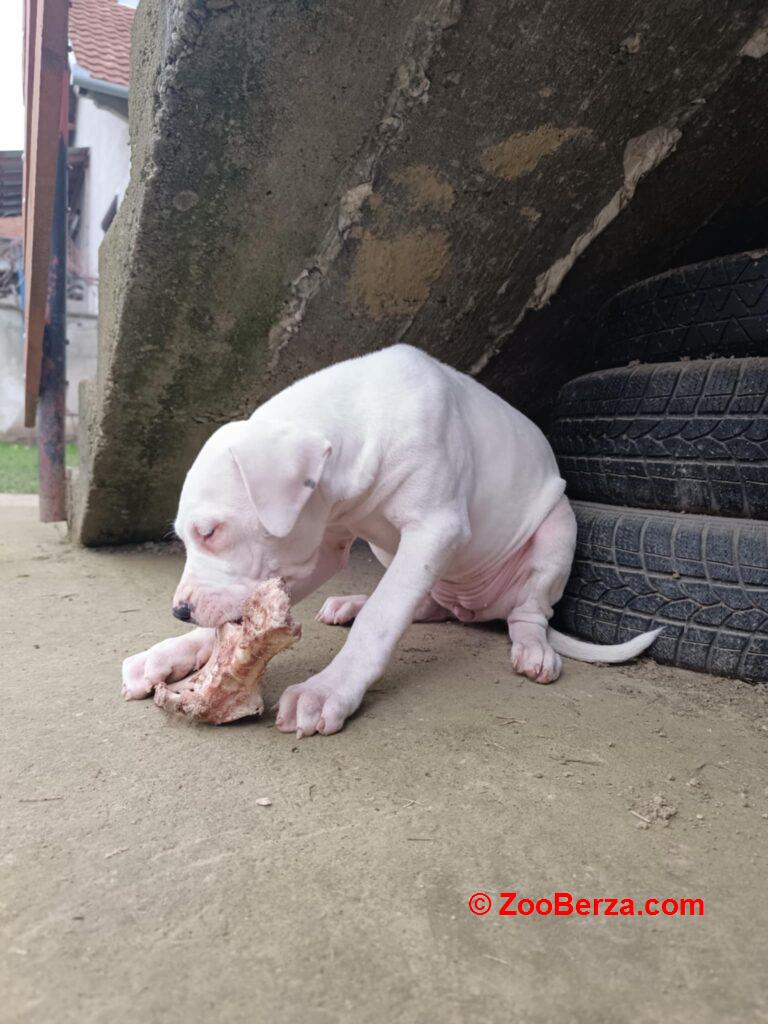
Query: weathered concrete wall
pixel 310 181
pixel 706 199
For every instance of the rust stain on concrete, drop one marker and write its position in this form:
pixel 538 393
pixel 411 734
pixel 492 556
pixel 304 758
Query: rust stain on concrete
pixel 384 214
pixel 393 276
pixel 521 152
pixel 426 187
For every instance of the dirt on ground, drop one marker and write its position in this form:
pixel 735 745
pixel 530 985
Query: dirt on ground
pixel 144 879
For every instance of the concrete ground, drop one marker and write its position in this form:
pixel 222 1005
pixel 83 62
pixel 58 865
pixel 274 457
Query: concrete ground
pixel 142 881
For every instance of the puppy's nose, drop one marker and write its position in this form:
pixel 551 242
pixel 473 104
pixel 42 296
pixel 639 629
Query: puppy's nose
pixel 183 611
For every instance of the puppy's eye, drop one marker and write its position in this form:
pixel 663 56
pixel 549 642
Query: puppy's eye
pixel 209 533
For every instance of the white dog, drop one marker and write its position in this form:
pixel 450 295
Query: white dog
pixel 457 494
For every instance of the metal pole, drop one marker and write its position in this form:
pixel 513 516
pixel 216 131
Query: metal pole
pixel 51 410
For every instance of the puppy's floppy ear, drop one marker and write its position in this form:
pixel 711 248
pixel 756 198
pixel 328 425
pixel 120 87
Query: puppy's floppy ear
pixel 280 465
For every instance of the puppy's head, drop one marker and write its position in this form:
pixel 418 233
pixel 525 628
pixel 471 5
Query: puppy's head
pixel 250 509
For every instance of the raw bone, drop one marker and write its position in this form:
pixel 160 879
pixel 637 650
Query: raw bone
pixel 229 685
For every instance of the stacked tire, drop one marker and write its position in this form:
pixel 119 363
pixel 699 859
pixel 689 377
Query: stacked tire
pixel 665 454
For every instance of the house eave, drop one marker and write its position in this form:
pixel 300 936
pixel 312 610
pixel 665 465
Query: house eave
pixel 84 80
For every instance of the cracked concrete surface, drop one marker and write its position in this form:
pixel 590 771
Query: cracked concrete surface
pixel 140 879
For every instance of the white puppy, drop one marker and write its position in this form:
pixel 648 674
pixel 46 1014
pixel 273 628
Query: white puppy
pixel 456 492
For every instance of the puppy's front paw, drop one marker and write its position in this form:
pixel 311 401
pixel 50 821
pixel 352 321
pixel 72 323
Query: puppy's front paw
pixel 337 611
pixel 315 706
pixel 170 659
pixel 143 672
pixel 536 660
pixel 135 685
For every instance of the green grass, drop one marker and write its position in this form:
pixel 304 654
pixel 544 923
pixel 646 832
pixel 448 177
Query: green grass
pixel 18 467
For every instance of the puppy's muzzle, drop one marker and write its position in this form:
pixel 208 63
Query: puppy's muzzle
pixel 183 611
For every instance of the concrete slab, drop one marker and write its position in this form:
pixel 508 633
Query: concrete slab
pixel 140 880
pixel 314 181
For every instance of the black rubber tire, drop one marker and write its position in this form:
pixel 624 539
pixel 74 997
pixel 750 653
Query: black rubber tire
pixel 715 308
pixel 704 579
pixel 686 437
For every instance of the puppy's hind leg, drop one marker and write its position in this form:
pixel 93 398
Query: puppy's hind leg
pixel 551 556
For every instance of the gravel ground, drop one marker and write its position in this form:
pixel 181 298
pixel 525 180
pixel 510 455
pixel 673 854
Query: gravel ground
pixel 142 881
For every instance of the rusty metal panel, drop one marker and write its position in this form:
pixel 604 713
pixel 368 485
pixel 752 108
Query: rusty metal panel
pixel 51 409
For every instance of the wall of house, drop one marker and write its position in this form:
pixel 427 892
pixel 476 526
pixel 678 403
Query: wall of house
pixel 102 129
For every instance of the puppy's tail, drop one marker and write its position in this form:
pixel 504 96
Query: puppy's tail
pixel 583 651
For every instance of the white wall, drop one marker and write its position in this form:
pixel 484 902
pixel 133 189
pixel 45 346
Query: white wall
pixel 104 133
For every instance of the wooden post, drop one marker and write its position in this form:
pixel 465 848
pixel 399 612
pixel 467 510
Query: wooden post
pixel 46 80
pixel 48 75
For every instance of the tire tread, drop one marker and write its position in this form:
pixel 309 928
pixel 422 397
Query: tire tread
pixel 704 579
pixel 688 437
pixel 715 308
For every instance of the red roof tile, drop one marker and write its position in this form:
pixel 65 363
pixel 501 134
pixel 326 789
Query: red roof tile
pixel 100 34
